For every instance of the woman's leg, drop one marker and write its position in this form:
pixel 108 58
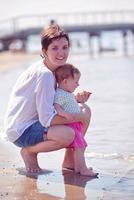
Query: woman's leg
pixel 68 161
pixel 58 137
pixel 86 109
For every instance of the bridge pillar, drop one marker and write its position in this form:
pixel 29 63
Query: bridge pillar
pixel 14 44
pixel 24 44
pixel 124 34
pixel 90 45
pixel 5 45
pixel 133 38
pixel 99 43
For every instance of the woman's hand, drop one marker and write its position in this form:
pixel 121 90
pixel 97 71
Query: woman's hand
pixel 82 97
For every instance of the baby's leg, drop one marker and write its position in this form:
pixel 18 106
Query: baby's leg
pixel 68 161
pixel 80 163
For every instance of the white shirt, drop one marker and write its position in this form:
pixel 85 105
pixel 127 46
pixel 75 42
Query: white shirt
pixel 31 100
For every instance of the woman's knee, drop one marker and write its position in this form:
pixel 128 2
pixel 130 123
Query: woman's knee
pixel 85 108
pixel 88 109
pixel 64 135
pixel 69 135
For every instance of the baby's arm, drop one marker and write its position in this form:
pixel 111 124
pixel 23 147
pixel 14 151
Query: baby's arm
pixel 61 112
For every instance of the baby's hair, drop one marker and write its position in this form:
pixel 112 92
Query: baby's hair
pixel 65 71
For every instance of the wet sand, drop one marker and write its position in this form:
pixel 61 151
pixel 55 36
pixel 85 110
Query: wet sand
pixel 116 174
pixel 10 60
pixel 56 183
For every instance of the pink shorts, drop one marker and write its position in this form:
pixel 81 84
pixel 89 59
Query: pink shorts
pixel 79 141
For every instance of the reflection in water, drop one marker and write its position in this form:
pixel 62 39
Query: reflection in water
pixel 75 185
pixel 68 185
pixel 110 135
pixel 49 185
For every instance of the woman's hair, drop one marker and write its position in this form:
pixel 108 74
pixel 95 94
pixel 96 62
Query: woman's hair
pixel 65 71
pixel 51 33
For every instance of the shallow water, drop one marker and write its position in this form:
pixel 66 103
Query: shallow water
pixel 111 82
pixel 110 135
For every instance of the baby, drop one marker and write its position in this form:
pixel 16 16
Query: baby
pixel 67 77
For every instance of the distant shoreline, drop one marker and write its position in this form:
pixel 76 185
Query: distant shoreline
pixel 9 60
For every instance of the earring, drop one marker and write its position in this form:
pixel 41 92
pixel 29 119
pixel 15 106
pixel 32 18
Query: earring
pixel 42 56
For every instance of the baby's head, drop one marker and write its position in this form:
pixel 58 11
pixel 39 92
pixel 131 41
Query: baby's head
pixel 67 77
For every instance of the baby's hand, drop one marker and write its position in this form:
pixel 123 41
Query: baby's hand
pixel 82 97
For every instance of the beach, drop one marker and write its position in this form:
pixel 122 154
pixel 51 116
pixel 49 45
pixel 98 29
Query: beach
pixel 110 136
pixel 9 60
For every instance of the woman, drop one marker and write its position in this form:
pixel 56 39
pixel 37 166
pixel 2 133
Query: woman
pixel 31 121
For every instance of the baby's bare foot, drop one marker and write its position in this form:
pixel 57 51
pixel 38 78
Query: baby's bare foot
pixel 76 170
pixel 68 165
pixel 88 172
pixel 30 161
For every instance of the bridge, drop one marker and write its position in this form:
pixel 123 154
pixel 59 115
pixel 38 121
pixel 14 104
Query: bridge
pixel 94 23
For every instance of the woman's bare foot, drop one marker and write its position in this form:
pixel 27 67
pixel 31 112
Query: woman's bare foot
pixel 30 160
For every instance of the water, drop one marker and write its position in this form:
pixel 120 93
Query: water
pixel 111 82
pixel 110 135
pixel 110 79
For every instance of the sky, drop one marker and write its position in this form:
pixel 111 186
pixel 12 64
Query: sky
pixel 13 8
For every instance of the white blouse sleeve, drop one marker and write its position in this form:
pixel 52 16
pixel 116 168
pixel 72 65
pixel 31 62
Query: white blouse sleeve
pixel 45 92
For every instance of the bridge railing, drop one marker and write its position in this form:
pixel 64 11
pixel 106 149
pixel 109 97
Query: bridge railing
pixel 10 26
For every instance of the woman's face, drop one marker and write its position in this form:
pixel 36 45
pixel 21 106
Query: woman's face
pixel 57 53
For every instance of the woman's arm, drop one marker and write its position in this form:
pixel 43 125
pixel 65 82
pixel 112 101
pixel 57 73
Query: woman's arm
pixel 62 113
pixel 83 116
pixel 77 117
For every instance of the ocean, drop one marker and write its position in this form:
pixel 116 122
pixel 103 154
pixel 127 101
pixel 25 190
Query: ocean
pixel 110 135
pixel 110 79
